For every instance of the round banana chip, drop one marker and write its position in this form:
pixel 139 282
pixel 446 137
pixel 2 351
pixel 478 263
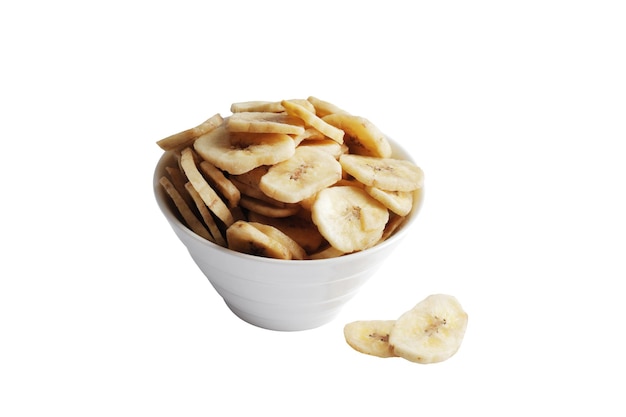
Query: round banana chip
pixel 361 135
pixel 296 251
pixel 400 202
pixel 183 208
pixel 392 226
pixel 309 134
pixel 206 192
pixel 308 171
pixel 349 218
pixel 297 227
pixel 244 237
pixel 430 332
pixel 327 252
pixel 264 122
pixel 385 173
pixel 257 106
pixel 267 208
pixel 326 145
pixel 324 108
pixel 311 119
pixel 370 337
pixel 185 138
pixel 216 148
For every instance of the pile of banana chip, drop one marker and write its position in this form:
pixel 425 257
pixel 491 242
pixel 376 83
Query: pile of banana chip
pixel 430 332
pixel 294 179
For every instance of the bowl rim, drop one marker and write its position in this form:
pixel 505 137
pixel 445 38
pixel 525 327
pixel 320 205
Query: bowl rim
pixel 166 208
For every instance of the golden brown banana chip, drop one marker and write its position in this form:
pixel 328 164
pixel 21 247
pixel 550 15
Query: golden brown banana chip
pixel 178 179
pixel 310 119
pixel 309 134
pixel 392 225
pixel 308 171
pixel 327 253
pixel 248 182
pixel 400 202
pixel 296 251
pixel 244 237
pixel 324 108
pixel 222 184
pixel 370 337
pixel 385 173
pixel 248 185
pixel 362 136
pixel 257 106
pixel 327 145
pixel 267 106
pixel 299 228
pixel 302 102
pixel 188 216
pixel 265 122
pixel 268 209
pixel 206 215
pixel 208 194
pixel 185 138
pixel 349 218
pixel 216 148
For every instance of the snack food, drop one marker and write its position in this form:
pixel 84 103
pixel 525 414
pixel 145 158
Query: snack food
pixel 432 331
pixel 180 140
pixel 296 179
pixel 348 218
pixel 362 136
pixel 370 337
pixel 307 172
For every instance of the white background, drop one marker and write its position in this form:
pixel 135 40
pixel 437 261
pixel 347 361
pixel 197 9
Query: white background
pixel 515 111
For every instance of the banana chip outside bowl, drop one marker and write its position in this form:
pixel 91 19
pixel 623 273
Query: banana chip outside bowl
pixel 282 295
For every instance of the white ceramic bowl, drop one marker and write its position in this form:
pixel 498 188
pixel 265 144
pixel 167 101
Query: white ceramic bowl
pixel 279 294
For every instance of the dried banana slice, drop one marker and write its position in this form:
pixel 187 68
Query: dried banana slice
pixel 327 253
pixel 430 332
pixel 185 138
pixel 267 106
pixel 361 135
pixel 178 179
pixel 304 103
pixel 385 173
pixel 216 148
pixel 244 237
pixel 299 228
pixel 392 225
pixel 222 185
pixel 297 252
pixel 308 171
pixel 370 337
pixel 206 192
pixel 309 134
pixel 324 108
pixel 183 208
pixel 244 139
pixel 206 215
pixel 264 122
pixel 400 202
pixel 349 218
pixel 248 182
pixel 327 145
pixel 310 119
pixel 268 209
pixel 257 106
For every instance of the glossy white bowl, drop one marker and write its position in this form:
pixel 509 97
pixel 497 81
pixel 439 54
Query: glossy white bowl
pixel 279 294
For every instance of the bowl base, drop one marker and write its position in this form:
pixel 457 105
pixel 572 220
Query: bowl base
pixel 284 325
